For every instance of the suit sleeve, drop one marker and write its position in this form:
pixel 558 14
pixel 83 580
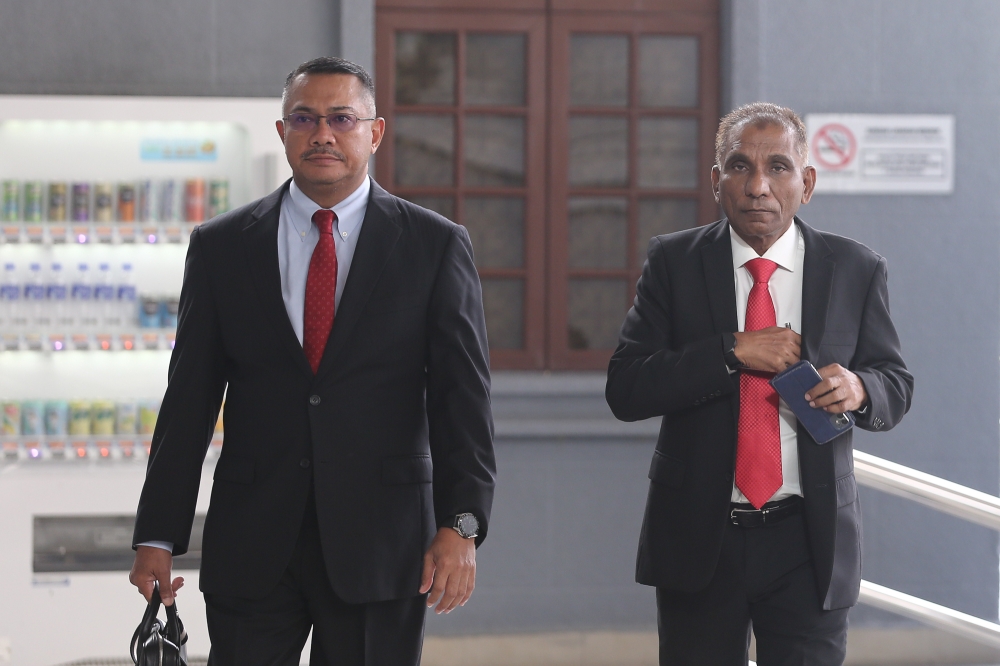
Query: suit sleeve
pixel 648 375
pixel 458 390
pixel 187 415
pixel 878 360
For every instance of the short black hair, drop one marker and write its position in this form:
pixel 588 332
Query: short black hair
pixel 332 65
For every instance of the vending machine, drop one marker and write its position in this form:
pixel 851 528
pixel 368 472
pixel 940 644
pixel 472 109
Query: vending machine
pixel 99 196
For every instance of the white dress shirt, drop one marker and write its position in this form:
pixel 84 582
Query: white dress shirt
pixel 297 238
pixel 785 286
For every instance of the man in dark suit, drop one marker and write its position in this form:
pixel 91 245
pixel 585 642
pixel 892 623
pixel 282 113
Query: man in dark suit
pixel 345 327
pixel 749 522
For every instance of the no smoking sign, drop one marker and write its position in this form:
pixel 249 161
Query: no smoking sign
pixel 834 146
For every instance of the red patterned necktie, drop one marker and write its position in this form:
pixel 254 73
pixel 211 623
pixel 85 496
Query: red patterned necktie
pixel 321 290
pixel 758 447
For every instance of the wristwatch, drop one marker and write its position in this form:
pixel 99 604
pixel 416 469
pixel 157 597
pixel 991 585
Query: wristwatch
pixel 466 525
pixel 729 350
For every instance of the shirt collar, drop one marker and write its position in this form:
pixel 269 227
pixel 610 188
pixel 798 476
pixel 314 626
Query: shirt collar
pixel 350 212
pixel 782 252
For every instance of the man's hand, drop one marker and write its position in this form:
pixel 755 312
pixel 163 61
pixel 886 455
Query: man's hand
pixel 450 564
pixel 153 564
pixel 840 391
pixel 769 349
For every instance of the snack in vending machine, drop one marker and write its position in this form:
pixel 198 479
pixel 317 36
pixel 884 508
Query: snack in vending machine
pixel 125 418
pixel 34 200
pixel 168 208
pixel 102 417
pixel 57 202
pixel 104 202
pixel 79 418
pixel 194 200
pixel 149 312
pixel 32 418
pixel 168 312
pixel 10 210
pixel 144 199
pixel 148 410
pixel 218 197
pixel 10 419
pixel 81 202
pixel 126 202
pixel 56 418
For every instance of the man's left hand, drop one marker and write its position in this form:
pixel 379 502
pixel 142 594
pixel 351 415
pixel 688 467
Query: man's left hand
pixel 450 565
pixel 840 391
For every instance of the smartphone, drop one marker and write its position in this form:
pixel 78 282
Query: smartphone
pixel 792 384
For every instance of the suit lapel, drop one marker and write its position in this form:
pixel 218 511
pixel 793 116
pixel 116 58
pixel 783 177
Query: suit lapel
pixel 260 243
pixel 717 263
pixel 817 286
pixel 379 233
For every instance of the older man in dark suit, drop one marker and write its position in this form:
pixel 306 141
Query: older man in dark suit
pixel 749 522
pixel 346 328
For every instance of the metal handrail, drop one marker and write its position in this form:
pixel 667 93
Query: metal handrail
pixel 948 497
pixel 957 500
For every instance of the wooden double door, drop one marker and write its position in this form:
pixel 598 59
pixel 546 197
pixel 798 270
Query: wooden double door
pixel 563 136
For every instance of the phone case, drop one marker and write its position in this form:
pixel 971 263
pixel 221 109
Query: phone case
pixel 792 384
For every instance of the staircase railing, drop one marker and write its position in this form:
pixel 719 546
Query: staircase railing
pixel 937 493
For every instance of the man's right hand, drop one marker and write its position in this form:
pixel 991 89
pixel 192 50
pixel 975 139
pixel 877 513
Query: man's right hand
pixel 153 564
pixel 769 349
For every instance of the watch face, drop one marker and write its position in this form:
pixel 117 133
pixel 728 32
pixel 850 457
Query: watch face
pixel 468 525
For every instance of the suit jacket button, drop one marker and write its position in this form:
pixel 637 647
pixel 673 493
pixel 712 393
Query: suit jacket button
pixel 314 400
pixel 303 463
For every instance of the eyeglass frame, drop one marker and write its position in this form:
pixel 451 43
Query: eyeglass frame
pixel 316 116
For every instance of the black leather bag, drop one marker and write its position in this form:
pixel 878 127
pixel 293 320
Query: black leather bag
pixel 155 643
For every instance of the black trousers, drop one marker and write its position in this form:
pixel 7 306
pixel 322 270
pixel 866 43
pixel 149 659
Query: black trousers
pixel 272 631
pixel 764 581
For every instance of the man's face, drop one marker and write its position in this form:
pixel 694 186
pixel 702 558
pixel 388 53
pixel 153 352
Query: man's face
pixel 323 159
pixel 762 182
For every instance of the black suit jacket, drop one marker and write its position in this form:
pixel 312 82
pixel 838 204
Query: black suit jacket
pixel 393 433
pixel 670 363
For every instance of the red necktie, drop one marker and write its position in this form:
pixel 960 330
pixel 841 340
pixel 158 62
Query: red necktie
pixel 758 447
pixel 321 290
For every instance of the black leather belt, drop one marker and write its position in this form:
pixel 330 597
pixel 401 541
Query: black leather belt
pixel 745 515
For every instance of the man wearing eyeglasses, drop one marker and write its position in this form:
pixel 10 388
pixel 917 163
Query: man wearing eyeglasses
pixel 345 327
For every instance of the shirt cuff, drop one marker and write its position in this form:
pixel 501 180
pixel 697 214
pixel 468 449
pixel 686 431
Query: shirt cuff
pixel 165 545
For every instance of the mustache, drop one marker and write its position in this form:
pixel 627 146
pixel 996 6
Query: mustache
pixel 322 151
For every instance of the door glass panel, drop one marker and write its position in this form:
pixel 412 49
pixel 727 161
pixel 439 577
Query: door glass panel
pixel 425 68
pixel 425 149
pixel 598 70
pixel 663 216
pixel 494 69
pixel 668 71
pixel 496 227
pixel 596 311
pixel 598 229
pixel 494 151
pixel 503 304
pixel 668 152
pixel 598 151
pixel 441 205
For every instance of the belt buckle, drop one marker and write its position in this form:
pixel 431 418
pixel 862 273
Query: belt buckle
pixel 763 515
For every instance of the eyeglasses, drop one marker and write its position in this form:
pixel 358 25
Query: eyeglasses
pixel 307 122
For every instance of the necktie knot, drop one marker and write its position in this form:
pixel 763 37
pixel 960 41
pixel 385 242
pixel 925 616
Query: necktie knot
pixel 761 270
pixel 323 219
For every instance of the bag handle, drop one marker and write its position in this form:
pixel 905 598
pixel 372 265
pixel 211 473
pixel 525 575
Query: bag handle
pixel 146 625
pixel 175 628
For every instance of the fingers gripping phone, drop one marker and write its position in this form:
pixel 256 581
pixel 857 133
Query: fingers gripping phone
pixel 792 384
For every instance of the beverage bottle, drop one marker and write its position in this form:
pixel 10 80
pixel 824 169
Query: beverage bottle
pixel 104 299
pixel 82 300
pixel 57 297
pixel 36 313
pixel 126 298
pixel 10 290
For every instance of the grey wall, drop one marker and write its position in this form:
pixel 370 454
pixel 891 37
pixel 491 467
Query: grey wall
pixel 232 48
pixel 909 56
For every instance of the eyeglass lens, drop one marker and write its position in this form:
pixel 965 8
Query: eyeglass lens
pixel 338 122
